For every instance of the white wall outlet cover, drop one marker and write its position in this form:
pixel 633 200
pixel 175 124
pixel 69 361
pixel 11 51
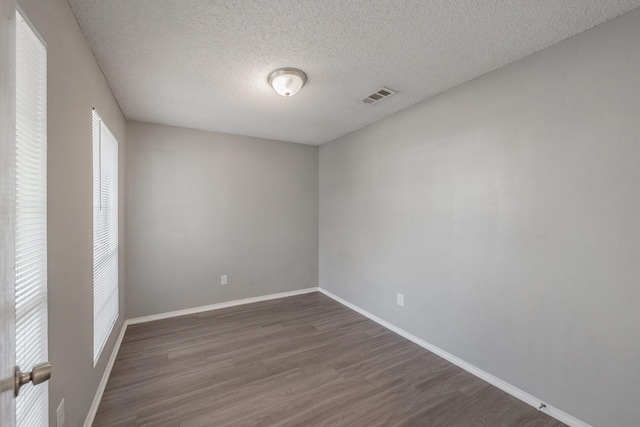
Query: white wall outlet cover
pixel 400 299
pixel 60 414
pixel 223 279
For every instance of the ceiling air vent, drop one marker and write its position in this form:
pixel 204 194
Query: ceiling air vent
pixel 378 96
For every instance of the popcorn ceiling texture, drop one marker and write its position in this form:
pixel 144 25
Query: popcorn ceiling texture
pixel 204 64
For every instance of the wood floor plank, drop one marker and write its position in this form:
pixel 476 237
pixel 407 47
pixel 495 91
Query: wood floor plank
pixel 298 361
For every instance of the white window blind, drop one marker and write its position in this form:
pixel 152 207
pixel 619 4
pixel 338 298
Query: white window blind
pixel 105 234
pixel 32 407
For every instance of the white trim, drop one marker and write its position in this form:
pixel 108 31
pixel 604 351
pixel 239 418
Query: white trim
pixel 26 19
pixel 218 306
pixel 105 378
pixel 495 381
pixel 107 372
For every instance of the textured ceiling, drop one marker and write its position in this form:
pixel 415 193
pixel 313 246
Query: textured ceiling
pixel 204 64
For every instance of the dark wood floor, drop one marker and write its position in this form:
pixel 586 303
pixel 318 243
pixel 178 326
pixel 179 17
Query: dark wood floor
pixel 299 361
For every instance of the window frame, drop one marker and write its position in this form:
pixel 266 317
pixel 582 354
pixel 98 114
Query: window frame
pixel 106 305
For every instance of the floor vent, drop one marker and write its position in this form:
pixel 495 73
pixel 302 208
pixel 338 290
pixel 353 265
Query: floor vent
pixel 379 95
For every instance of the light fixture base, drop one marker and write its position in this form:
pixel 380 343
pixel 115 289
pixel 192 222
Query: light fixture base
pixel 287 81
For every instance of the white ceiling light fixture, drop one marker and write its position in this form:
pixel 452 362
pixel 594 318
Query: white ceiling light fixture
pixel 287 81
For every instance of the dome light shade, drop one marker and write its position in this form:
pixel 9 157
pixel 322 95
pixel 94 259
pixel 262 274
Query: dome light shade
pixel 287 81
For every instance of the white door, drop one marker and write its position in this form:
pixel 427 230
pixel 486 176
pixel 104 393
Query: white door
pixel 7 211
pixel 23 222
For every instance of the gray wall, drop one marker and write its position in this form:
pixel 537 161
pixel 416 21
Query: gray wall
pixel 75 85
pixel 203 204
pixel 507 212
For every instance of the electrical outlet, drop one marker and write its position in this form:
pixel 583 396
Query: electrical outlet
pixel 400 300
pixel 60 414
pixel 223 279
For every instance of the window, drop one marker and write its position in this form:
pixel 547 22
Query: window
pixel 105 234
pixel 32 405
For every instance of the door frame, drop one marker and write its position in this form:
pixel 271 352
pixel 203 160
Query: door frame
pixel 7 209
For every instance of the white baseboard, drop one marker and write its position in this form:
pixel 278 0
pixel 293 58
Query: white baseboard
pixel 107 372
pixel 495 381
pixel 105 378
pixel 218 306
